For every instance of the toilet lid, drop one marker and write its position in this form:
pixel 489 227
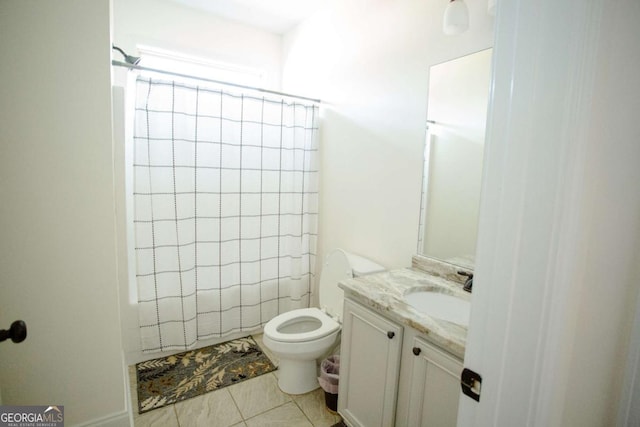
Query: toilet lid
pixel 335 269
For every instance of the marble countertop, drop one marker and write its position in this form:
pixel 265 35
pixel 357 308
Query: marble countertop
pixel 384 292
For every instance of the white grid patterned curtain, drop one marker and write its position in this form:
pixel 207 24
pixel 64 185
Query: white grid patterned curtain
pixel 226 203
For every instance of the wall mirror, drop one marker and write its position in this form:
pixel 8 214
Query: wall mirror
pixel 454 148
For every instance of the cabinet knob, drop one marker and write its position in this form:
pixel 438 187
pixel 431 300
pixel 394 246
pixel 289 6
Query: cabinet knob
pixel 391 334
pixel 17 332
pixel 416 350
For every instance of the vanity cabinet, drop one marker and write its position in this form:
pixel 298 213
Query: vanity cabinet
pixel 392 376
pixel 369 367
pixel 429 384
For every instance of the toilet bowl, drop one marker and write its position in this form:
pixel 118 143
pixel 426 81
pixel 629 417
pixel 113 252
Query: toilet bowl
pixel 299 337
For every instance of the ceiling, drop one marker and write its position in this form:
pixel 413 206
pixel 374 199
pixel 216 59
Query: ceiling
pixel 276 16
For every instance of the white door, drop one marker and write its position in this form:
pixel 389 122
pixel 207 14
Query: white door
pixel 558 235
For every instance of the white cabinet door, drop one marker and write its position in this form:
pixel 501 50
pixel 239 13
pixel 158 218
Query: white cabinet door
pixel 369 367
pixel 433 385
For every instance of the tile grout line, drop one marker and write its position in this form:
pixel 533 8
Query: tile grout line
pixel 175 412
pixel 267 410
pixel 303 412
pixel 236 404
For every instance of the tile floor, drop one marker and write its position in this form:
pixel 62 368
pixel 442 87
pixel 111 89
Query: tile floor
pixel 255 402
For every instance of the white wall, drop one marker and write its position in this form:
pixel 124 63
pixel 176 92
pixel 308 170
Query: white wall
pixel 168 25
pixel 57 241
pixel 369 63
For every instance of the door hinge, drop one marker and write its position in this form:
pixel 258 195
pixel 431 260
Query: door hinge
pixel 471 383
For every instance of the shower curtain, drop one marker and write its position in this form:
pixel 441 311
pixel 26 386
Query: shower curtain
pixel 225 210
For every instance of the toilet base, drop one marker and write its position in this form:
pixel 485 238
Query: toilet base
pixel 297 376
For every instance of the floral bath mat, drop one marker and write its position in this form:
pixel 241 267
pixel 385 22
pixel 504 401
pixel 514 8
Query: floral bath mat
pixel 171 379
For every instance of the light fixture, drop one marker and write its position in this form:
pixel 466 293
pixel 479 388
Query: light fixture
pixel 456 18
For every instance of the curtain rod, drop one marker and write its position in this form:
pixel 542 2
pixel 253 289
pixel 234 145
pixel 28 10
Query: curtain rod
pixel 273 92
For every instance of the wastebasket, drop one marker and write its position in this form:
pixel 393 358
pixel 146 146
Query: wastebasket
pixel 329 378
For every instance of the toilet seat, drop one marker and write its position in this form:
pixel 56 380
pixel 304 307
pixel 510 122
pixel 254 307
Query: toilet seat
pixel 327 325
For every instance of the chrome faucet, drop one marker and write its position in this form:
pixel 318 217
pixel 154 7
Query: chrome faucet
pixel 468 284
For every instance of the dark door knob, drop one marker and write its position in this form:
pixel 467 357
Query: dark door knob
pixel 17 332
pixel 391 334
pixel 417 350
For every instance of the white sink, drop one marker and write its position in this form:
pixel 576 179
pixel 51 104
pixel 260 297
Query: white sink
pixel 441 306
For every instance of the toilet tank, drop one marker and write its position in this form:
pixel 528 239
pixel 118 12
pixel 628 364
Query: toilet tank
pixel 341 265
pixel 361 266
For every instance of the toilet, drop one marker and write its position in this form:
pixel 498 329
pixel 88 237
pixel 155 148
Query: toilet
pixel 299 337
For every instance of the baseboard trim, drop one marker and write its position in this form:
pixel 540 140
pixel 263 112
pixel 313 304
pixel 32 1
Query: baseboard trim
pixel 119 419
